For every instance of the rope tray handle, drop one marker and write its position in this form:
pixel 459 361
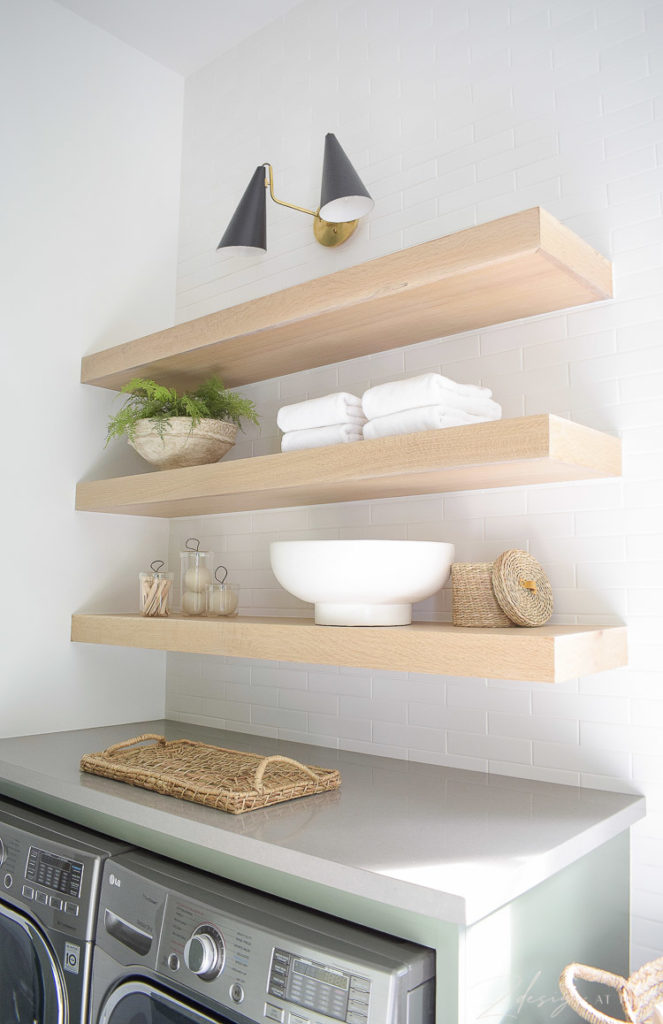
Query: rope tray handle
pixel 260 770
pixel 582 1007
pixel 134 742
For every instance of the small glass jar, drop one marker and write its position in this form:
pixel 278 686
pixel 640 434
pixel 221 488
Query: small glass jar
pixel 195 575
pixel 154 590
pixel 222 599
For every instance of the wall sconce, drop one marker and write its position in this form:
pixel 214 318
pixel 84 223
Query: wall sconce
pixel 343 200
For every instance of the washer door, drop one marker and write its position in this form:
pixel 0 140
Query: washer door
pixel 31 989
pixel 135 1002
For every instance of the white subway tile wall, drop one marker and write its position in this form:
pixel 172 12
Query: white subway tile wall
pixel 455 115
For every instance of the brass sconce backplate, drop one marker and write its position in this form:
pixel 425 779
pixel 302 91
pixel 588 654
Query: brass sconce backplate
pixel 330 234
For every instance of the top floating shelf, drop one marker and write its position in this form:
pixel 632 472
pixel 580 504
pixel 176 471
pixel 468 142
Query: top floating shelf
pixel 518 266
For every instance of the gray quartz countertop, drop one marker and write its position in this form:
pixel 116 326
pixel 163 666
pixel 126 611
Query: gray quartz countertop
pixel 445 843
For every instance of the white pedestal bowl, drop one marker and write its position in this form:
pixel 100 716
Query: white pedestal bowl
pixel 361 582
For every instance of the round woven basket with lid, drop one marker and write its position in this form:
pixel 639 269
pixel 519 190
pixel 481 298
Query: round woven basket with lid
pixel 522 588
pixel 512 590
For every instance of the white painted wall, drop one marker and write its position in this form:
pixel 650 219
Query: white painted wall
pixel 89 186
pixel 455 114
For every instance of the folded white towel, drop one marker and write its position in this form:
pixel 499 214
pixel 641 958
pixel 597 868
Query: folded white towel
pixel 318 437
pixel 415 392
pixel 475 405
pixel 321 412
pixel 430 417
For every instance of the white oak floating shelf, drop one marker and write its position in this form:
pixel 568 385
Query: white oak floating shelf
pixel 548 654
pixel 504 453
pixel 519 266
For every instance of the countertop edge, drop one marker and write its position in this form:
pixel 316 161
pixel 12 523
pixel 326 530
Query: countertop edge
pixel 541 868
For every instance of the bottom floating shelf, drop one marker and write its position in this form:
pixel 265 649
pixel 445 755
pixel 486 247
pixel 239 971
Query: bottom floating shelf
pixel 549 654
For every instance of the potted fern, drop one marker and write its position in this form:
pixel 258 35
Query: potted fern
pixel 170 430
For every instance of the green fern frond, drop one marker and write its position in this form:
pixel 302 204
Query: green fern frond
pixel 147 400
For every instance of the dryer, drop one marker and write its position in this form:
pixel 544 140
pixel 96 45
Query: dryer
pixel 177 946
pixel 50 872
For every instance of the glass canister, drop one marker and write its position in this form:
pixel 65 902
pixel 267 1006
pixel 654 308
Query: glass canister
pixel 154 589
pixel 221 598
pixel 195 576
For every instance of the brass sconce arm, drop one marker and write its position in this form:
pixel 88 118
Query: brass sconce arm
pixel 326 232
pixel 269 183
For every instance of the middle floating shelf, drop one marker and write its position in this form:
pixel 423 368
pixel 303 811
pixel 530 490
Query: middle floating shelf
pixel 503 453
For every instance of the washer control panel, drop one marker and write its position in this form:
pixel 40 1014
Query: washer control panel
pixel 320 987
pixel 55 872
pixel 51 869
pixel 232 949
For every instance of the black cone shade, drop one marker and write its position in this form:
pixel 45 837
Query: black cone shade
pixel 343 196
pixel 248 225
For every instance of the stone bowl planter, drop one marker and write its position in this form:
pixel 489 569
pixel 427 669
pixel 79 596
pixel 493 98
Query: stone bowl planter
pixel 182 444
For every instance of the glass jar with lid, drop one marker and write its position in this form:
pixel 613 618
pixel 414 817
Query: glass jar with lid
pixel 196 574
pixel 222 598
pixel 154 589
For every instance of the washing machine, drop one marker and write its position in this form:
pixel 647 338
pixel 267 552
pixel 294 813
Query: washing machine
pixel 176 946
pixel 50 873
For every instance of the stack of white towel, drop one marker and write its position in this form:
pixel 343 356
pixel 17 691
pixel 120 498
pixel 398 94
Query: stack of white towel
pixel 332 419
pixel 428 402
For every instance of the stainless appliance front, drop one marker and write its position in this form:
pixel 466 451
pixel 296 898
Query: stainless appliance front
pixel 176 946
pixel 50 873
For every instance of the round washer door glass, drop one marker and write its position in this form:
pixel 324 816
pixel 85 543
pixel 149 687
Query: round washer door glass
pixel 30 988
pixel 134 1002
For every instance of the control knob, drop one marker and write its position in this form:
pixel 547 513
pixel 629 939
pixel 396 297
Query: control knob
pixel 204 953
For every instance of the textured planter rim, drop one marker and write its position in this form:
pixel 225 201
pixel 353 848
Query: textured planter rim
pixel 184 445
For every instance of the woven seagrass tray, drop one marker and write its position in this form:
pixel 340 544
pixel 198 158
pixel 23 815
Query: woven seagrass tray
pixel 228 780
pixel 641 994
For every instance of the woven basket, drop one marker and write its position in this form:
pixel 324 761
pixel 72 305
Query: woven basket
pixel 638 994
pixel 473 598
pixel 228 780
pixel 512 590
